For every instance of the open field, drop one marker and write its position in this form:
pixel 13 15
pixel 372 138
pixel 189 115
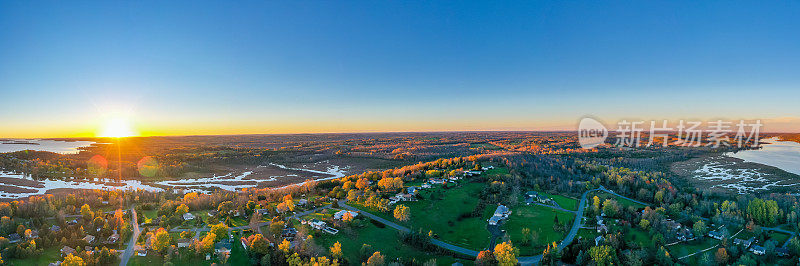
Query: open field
pixel 385 240
pixel 538 219
pixel 442 211
pixel 563 201
pixel 686 248
pixel 48 255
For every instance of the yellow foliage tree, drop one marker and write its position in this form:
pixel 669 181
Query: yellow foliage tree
pixel 506 254
pixel 72 260
pixel 402 213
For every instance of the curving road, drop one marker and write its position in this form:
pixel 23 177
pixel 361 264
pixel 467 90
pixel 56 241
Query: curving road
pixel 126 256
pixel 576 225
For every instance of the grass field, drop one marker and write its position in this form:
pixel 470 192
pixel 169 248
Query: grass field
pixel 538 219
pixel 563 201
pixel 685 248
pixel 442 215
pixel 779 237
pixel 48 255
pixel 385 240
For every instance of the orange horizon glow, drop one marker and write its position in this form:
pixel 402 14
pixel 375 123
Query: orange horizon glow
pixel 129 127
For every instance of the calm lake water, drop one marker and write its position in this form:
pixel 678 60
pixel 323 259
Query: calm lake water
pixel 58 146
pixel 781 154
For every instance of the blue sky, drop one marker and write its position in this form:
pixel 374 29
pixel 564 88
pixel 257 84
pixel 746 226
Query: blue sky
pixel 218 67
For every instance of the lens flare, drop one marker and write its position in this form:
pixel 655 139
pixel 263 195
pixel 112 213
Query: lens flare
pixel 148 166
pixel 97 166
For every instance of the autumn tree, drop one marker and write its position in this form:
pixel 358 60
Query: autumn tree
pixel 402 213
pixel 160 240
pixel 220 230
pixel 86 212
pixel 485 258
pixel 285 246
pixel 376 259
pixel 207 243
pixel 187 234
pixel 550 255
pixel 602 255
pixel 336 250
pixel 72 260
pixel 506 254
pixel 181 210
pixel 258 244
pixel 362 183
pixel 721 256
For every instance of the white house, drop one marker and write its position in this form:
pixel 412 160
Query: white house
pixel 338 215
pixel 502 212
pixel 188 216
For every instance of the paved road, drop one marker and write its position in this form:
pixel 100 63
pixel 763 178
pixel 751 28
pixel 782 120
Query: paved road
pixel 129 250
pixel 576 225
pixel 790 233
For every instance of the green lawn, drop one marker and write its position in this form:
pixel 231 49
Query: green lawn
pixel 323 215
pixel 48 255
pixel 639 236
pixel 587 234
pixel 385 240
pixel 148 215
pixel 538 219
pixel 238 221
pixel 442 215
pixel 150 259
pixel 686 248
pixel 563 201
pixel 496 171
pixel 780 237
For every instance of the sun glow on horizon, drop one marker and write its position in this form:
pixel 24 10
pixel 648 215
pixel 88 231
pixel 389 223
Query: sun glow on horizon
pixel 117 128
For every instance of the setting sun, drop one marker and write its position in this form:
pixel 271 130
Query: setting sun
pixel 117 128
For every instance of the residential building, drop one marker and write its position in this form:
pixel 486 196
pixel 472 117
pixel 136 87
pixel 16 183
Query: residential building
pixel 183 243
pixel 338 215
pixel 66 251
pixel 223 246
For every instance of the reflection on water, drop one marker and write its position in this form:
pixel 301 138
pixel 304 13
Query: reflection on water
pixel 58 146
pixel 781 154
